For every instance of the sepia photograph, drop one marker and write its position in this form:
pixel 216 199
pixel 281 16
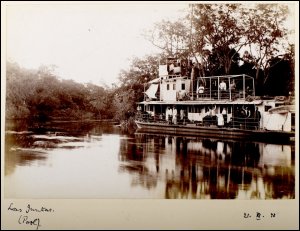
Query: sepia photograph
pixel 133 110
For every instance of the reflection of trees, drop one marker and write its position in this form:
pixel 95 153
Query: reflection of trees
pixel 76 128
pixel 280 185
pixel 204 168
pixel 132 155
pixel 20 142
pixel 14 156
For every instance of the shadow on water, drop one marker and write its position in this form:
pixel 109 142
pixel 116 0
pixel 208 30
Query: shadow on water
pixel 210 168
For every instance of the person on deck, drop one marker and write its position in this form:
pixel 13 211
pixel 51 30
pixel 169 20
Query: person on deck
pixel 171 68
pixel 232 85
pixel 201 90
pixel 181 114
pixel 257 117
pixel 224 113
pixel 223 86
pixel 167 113
pixel 174 116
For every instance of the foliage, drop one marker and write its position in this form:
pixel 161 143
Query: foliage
pixel 265 32
pixel 132 84
pixel 39 94
pixel 170 37
pixel 217 26
pixel 217 35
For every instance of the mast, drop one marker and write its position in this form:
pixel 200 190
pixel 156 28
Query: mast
pixel 190 48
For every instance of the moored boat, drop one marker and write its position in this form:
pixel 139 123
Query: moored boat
pixel 180 102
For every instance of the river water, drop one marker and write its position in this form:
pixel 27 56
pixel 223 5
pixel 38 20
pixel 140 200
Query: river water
pixel 97 160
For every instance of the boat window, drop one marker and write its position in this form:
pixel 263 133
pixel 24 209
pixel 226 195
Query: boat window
pixel 267 107
pixel 183 86
pixel 168 87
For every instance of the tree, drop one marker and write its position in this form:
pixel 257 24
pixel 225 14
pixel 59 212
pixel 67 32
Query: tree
pixel 218 27
pixel 266 35
pixel 20 83
pixel 39 94
pixel 170 37
pixel 281 79
pixel 132 83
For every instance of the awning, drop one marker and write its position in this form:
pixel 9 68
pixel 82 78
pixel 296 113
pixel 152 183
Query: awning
pixel 282 109
pixel 152 91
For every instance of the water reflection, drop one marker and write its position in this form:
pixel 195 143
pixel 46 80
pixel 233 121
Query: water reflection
pixel 95 160
pixel 28 143
pixel 209 169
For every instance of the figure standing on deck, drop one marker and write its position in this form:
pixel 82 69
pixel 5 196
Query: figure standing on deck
pixel 224 113
pixel 181 114
pixel 174 120
pixel 257 117
pixel 168 114
pixel 223 86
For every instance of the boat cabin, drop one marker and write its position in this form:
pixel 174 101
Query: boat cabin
pixel 181 96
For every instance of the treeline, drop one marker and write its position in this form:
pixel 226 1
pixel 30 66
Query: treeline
pixel 41 95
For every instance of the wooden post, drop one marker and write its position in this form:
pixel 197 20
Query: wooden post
pixel 244 87
pixel 218 88
pixel 229 87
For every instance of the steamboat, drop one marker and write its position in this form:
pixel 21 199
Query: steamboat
pixel 182 103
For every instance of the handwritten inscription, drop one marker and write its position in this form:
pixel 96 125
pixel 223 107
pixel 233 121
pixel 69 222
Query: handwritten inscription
pixel 25 219
pixel 259 216
pixel 42 209
pixel 12 208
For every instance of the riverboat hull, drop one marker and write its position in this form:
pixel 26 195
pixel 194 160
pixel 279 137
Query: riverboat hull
pixel 214 131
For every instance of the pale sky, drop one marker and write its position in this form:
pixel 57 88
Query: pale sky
pixel 87 42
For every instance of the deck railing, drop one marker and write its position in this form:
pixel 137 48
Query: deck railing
pixel 229 87
pixel 213 95
pixel 248 123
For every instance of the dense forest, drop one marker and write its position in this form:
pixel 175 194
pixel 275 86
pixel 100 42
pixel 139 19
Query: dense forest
pixel 39 94
pixel 222 38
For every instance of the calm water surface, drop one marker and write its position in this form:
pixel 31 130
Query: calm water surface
pixel 97 160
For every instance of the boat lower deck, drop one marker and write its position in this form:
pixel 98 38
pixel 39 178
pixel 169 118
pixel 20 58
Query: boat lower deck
pixel 214 131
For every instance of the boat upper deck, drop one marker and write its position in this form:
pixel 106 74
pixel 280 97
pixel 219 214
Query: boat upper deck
pixel 187 89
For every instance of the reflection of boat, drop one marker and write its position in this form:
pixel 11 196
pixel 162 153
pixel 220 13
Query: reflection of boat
pixel 223 106
pixel 202 168
pixel 222 132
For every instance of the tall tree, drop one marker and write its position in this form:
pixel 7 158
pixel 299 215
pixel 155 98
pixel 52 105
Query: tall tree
pixel 170 37
pixel 217 26
pixel 267 36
